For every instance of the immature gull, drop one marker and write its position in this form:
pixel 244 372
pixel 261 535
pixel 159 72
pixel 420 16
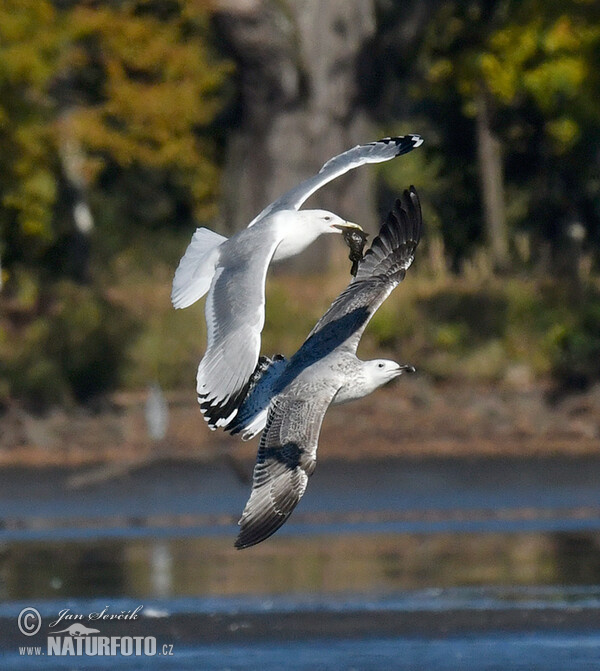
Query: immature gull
pixel 233 273
pixel 290 398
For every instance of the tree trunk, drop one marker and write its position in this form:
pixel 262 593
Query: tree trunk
pixel 492 184
pixel 78 243
pixel 297 67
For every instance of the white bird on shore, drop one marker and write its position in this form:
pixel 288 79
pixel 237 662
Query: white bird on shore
pixel 289 398
pixel 233 272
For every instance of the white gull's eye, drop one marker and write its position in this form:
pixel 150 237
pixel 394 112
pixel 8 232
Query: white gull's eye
pixel 380 365
pixel 327 218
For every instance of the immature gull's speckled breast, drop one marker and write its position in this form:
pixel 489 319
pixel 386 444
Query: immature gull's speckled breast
pixel 290 398
pixel 233 272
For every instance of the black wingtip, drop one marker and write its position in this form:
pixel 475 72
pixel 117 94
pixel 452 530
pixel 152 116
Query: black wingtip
pixel 257 532
pixel 405 219
pixel 215 411
pixel 263 367
pixel 404 143
pixel 409 208
pixel 242 545
pixel 416 140
pixel 397 239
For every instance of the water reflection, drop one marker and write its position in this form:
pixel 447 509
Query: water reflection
pixel 296 565
pixel 577 558
pixel 161 569
pixel 376 527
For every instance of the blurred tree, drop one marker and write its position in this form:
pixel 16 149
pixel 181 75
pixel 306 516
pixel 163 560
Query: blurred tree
pixel 400 83
pixel 143 88
pixel 92 91
pixel 94 98
pixel 511 62
pixel 541 67
pixel 513 85
pixel 452 57
pixel 31 37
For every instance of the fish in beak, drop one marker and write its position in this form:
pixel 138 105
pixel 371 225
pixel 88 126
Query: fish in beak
pixel 355 238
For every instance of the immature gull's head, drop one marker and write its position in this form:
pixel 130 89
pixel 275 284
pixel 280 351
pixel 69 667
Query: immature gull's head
pixel 380 371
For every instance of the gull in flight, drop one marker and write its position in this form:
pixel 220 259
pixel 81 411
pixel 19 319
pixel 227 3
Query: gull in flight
pixel 233 272
pixel 289 398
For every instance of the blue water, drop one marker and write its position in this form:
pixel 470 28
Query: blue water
pixel 335 486
pixel 47 509
pixel 59 545
pixel 542 649
pixel 491 653
pixel 494 652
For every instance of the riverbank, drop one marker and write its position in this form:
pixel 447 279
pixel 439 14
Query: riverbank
pixel 411 418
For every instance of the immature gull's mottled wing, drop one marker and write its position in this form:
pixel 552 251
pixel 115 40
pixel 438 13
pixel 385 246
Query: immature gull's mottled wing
pixel 374 152
pixel 383 267
pixel 235 315
pixel 286 458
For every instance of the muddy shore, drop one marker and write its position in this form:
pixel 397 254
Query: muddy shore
pixel 413 418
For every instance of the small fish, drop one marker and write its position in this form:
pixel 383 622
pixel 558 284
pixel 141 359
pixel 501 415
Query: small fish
pixel 356 240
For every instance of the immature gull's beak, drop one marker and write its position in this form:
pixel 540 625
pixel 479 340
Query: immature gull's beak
pixel 406 368
pixel 355 238
pixel 403 368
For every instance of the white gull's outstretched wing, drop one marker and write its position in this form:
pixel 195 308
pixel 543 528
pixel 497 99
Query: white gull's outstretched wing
pixel 374 152
pixel 235 315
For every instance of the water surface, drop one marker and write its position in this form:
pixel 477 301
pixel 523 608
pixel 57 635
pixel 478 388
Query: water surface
pixel 445 564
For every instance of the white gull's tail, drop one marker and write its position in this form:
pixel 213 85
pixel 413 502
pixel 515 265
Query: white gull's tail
pixel 196 268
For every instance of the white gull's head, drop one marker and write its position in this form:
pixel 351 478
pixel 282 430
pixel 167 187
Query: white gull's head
pixel 298 229
pixel 324 221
